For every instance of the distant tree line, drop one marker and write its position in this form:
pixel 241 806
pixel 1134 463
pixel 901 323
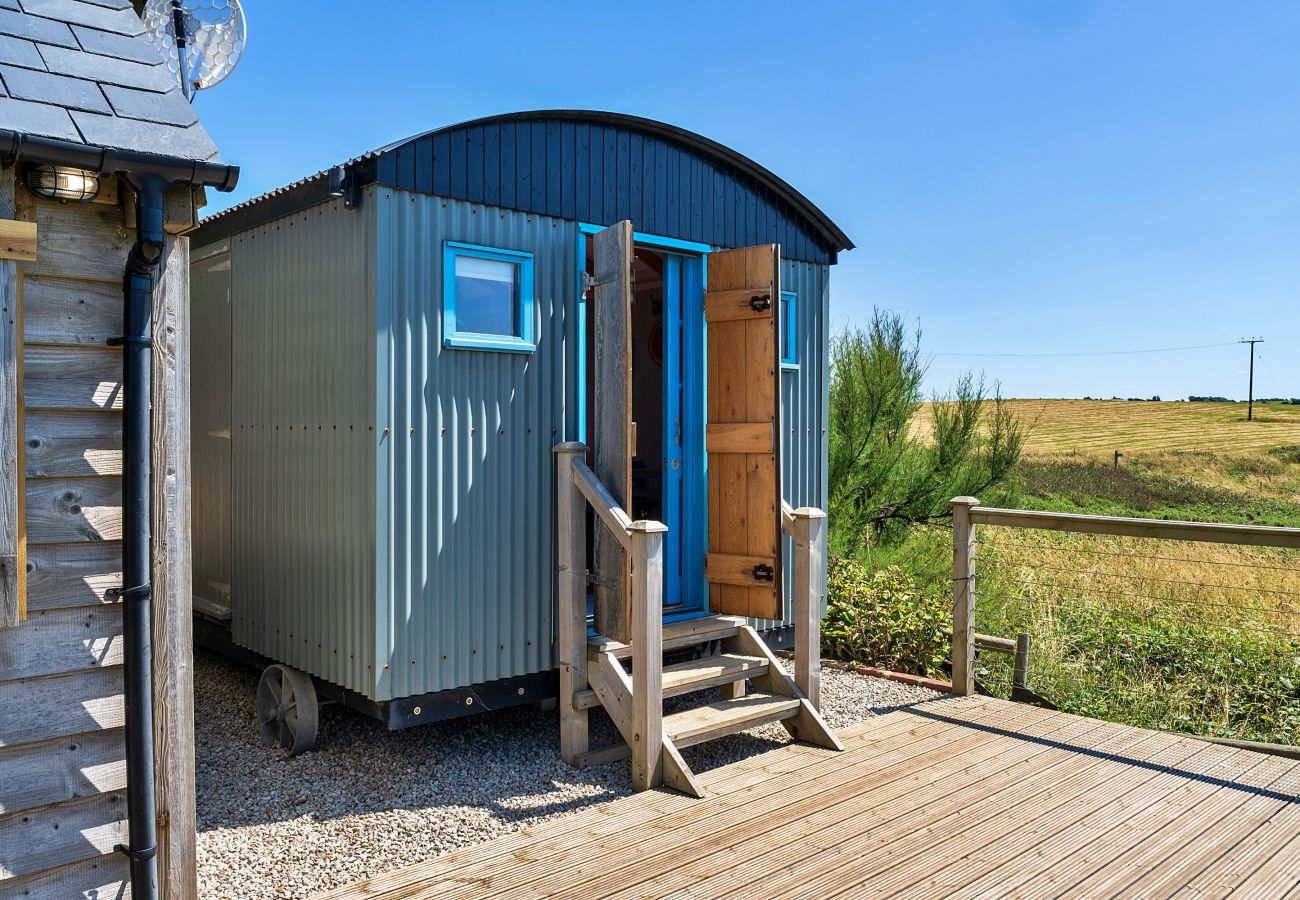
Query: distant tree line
pixel 1289 401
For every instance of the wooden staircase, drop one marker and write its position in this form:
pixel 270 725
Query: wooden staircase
pixel 630 680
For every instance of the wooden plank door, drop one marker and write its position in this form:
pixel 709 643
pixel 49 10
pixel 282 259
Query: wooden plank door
pixel 743 438
pixel 612 257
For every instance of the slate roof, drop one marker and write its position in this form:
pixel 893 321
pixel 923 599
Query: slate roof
pixel 86 71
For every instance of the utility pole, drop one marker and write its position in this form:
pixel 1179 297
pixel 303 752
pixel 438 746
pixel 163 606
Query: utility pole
pixel 1250 396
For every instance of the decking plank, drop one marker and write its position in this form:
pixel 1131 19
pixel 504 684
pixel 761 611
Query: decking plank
pixel 963 796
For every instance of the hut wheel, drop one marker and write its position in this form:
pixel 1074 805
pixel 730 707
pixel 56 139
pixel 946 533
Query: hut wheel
pixel 287 709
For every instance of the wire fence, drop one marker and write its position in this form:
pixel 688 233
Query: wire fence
pixel 1180 635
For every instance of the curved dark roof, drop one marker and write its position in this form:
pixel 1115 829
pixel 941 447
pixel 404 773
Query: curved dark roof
pixel 593 166
pixel 688 139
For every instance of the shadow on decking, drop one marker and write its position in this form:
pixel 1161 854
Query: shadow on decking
pixel 1083 750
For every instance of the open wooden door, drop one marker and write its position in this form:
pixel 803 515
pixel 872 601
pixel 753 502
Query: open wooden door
pixel 743 439
pixel 613 426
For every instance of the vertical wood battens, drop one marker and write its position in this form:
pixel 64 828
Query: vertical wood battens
pixel 601 174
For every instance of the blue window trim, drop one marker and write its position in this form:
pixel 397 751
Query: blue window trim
pixel 790 326
pixel 695 501
pixel 652 240
pixel 526 342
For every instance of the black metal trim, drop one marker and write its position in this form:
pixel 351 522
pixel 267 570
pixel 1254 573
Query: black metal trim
pixel 397 714
pixel 17 145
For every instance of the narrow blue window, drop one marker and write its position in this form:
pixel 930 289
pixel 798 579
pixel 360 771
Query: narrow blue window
pixel 487 299
pixel 789 331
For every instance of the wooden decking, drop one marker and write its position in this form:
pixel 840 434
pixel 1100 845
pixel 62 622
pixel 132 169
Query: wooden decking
pixel 956 798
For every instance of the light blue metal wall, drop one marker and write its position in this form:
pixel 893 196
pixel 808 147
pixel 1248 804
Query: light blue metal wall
pixel 464 477
pixel 303 446
pixel 393 516
pixel 804 402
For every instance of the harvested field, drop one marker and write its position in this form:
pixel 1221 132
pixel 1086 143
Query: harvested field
pixel 1100 427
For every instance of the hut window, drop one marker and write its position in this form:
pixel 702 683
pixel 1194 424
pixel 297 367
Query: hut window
pixel 487 298
pixel 789 330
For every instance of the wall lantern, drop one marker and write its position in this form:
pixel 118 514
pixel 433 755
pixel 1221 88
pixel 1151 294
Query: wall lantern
pixel 63 183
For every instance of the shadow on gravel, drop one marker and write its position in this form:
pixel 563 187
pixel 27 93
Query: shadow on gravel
pixel 505 763
pixel 479 773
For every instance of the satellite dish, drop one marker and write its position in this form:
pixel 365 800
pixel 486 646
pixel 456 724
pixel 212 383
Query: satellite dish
pixel 201 40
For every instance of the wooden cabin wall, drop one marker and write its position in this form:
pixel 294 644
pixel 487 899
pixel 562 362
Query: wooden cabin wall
pixel 62 753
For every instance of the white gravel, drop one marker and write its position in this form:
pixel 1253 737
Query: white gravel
pixel 368 800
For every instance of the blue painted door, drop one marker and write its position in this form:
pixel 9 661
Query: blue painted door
pixel 686 592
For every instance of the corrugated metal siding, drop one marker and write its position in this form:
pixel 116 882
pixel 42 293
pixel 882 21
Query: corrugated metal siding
pixel 804 402
pixel 601 174
pixel 303 442
pixel 465 481
pixel 210 425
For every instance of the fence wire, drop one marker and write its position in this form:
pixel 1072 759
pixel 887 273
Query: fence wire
pixel 1202 638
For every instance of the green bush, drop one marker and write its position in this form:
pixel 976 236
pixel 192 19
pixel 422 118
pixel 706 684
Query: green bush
pixel 881 618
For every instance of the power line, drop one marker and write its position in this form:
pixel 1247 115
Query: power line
pixel 1250 395
pixel 1084 353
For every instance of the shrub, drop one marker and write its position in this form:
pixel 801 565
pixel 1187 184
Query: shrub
pixel 881 618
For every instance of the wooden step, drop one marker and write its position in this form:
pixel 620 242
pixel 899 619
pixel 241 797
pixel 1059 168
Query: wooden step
pixel 676 635
pixel 711 671
pixel 694 675
pixel 694 726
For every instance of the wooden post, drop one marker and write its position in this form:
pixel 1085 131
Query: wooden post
pixel 1020 676
pixel 11 600
pixel 647 654
pixel 571 616
pixel 809 536
pixel 963 596
pixel 173 645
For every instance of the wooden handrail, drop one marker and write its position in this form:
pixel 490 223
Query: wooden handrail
pixel 787 518
pixel 1163 529
pixel 967 514
pixel 602 501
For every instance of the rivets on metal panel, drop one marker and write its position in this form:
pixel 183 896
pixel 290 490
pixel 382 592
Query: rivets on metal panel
pixel 520 692
pixel 416 711
pixel 469 701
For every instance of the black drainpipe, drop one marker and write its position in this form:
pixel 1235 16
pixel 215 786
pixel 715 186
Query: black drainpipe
pixel 137 611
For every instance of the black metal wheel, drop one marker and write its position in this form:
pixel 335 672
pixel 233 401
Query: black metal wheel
pixel 287 711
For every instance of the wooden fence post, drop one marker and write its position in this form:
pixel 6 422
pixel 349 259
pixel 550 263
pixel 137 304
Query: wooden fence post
pixel 809 541
pixel 647 654
pixel 1020 674
pixel 571 616
pixel 963 596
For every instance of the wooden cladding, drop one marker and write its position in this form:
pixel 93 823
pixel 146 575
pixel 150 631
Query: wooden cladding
pixel 17 240
pixel 741 307
pixel 747 437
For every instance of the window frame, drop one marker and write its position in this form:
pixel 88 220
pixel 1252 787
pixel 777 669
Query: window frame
pixel 526 340
pixel 790 326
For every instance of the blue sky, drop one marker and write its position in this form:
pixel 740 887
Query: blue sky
pixel 1019 176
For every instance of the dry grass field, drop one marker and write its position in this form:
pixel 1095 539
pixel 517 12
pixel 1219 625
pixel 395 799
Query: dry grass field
pixel 1100 427
pixel 1200 638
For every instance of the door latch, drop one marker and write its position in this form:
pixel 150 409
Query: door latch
pixel 763 572
pixel 760 302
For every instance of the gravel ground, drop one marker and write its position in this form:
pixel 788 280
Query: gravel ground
pixel 368 800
